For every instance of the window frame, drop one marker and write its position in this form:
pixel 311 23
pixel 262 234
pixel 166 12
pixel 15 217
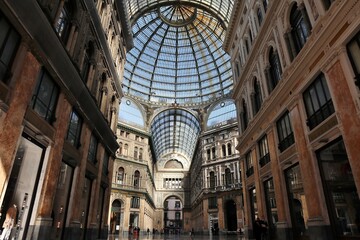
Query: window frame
pixel 49 104
pixel 264 154
pixel 283 125
pixel 93 147
pixel 8 48
pixel 318 102
pixel 74 138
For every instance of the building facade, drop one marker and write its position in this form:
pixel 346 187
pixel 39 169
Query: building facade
pixel 59 98
pixel 296 68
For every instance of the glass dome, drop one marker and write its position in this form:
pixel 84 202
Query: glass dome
pixel 178 57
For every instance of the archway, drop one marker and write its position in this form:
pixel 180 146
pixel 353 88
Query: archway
pixel 115 216
pixel 231 219
pixel 173 215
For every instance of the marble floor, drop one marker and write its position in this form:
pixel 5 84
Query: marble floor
pixel 178 237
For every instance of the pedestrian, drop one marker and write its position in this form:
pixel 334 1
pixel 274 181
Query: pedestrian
pixel 9 223
pixel 257 230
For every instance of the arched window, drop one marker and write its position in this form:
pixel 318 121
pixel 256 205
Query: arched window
pixel 88 55
pixel 228 181
pixel 257 99
pixel 126 149
pixel 244 116
pixel 259 16
pixel 140 154
pixel 300 27
pixel 120 176
pixel 229 148
pixel 63 24
pixel 275 70
pixel 265 4
pixel 137 179
pixel 121 148
pixel 212 180
pixel 223 150
pixel 136 150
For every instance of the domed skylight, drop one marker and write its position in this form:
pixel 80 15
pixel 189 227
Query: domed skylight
pixel 178 57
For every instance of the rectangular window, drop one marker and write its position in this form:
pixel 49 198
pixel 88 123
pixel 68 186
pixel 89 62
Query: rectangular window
pixel 9 43
pixel 135 202
pixel 177 215
pixel 74 131
pixel 45 97
pixel 285 132
pixel 263 151
pixel 93 149
pixel 271 204
pixel 318 103
pixel 177 204
pixel 353 49
pixel 212 202
pixel 105 169
pixel 249 164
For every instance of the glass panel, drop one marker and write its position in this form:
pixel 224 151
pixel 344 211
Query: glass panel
pixel 222 113
pixel 177 56
pixel 175 130
pixel 61 201
pixel 21 189
pixel 340 190
pixel 272 216
pixel 297 201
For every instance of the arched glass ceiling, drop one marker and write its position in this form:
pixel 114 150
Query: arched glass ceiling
pixel 177 57
pixel 222 113
pixel 219 8
pixel 175 131
pixel 130 113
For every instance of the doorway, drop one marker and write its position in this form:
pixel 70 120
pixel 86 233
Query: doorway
pixel 115 217
pixel 231 219
pixel 23 182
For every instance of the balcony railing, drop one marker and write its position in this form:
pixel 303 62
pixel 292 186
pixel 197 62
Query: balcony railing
pixel 128 187
pixel 225 187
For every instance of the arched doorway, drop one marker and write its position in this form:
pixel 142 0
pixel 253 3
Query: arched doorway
pixel 173 215
pixel 231 219
pixel 115 216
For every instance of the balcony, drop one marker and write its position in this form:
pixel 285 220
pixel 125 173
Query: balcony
pixel 225 187
pixel 128 187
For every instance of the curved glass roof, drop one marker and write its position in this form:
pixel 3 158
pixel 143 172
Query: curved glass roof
pixel 175 131
pixel 130 113
pixel 222 113
pixel 177 55
pixel 219 8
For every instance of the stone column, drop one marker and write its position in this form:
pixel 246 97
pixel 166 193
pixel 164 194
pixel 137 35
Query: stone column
pixel 308 171
pixel 291 45
pixel 24 81
pixel 221 219
pixel 280 194
pixel 44 220
pixel 205 215
pixel 258 185
pixel 246 203
pixel 348 116
pixel 75 208
pixel 268 76
pixel 239 210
